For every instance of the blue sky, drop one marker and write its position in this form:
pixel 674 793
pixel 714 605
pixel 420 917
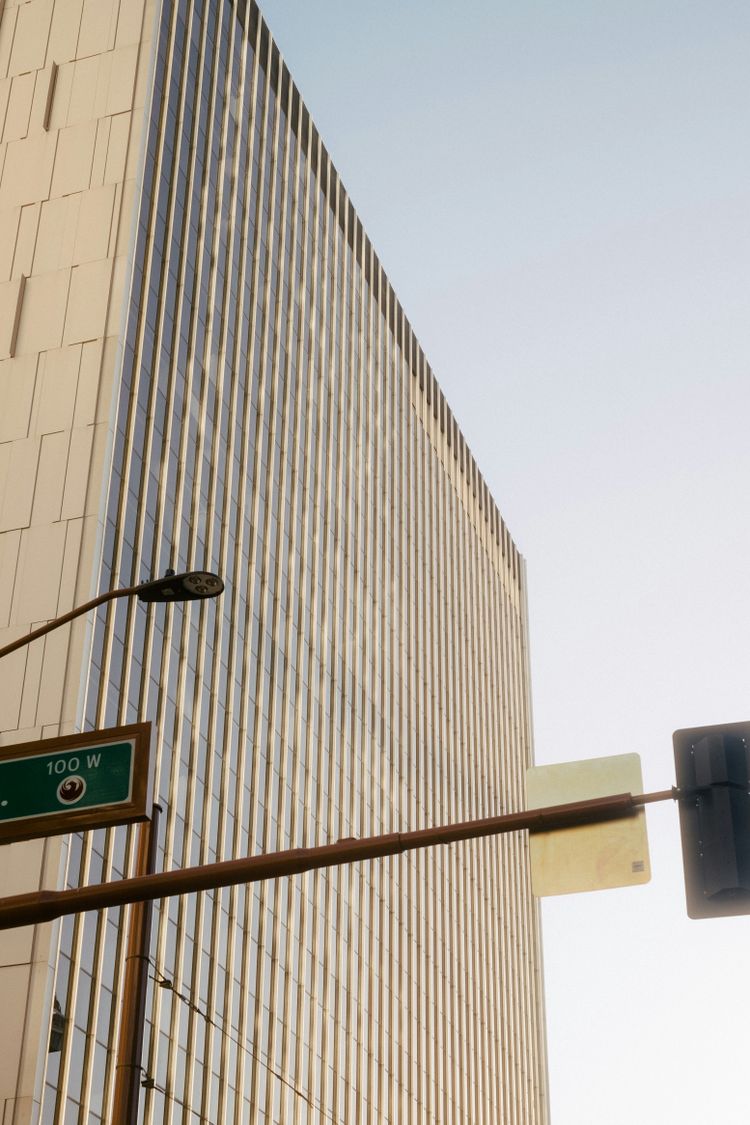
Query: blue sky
pixel 560 194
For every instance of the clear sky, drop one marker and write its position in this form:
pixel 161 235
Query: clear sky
pixel 560 194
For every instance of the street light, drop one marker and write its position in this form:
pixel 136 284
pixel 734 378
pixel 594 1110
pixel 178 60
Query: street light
pixel 190 586
pixel 187 587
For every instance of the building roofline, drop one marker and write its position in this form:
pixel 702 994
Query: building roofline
pixel 303 127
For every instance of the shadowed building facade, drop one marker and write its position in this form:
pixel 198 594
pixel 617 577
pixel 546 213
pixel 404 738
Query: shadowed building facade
pixel 202 364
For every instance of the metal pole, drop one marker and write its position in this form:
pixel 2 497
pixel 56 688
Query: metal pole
pixel 135 986
pixel 43 906
pixel 125 592
pixel 191 586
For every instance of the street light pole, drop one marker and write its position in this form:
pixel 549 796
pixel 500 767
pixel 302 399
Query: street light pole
pixel 190 586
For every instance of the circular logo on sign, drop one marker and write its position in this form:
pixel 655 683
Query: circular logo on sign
pixel 71 790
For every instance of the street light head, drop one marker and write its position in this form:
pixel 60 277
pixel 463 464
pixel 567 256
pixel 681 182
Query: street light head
pixel 201 584
pixel 187 587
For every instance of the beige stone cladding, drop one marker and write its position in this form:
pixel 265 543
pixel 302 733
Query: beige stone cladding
pixel 74 80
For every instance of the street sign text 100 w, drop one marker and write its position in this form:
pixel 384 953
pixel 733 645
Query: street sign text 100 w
pixel 81 781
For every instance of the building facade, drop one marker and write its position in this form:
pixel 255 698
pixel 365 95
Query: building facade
pixel 203 365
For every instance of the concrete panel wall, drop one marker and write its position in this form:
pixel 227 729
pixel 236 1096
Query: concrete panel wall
pixel 73 88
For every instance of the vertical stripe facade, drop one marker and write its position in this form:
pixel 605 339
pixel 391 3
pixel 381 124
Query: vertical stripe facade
pixel 364 672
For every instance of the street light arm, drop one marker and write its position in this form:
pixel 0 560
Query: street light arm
pixel 193 585
pixel 63 619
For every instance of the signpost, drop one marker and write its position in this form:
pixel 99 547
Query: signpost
pixel 69 784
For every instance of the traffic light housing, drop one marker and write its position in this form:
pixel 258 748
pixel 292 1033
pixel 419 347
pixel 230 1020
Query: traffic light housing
pixel 713 781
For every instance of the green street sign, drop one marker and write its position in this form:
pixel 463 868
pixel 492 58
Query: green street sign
pixel 78 782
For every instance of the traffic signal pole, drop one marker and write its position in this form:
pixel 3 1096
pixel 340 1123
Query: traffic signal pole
pixel 135 982
pixel 44 906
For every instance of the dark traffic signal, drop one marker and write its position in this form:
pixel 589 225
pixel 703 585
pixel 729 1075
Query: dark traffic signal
pixel 713 781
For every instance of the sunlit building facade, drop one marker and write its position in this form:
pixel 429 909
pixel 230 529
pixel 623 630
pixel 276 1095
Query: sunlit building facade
pixel 202 364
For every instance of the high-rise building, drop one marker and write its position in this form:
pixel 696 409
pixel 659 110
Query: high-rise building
pixel 202 364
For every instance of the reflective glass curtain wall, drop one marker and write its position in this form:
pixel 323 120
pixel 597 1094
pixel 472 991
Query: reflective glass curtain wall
pixel 364 672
